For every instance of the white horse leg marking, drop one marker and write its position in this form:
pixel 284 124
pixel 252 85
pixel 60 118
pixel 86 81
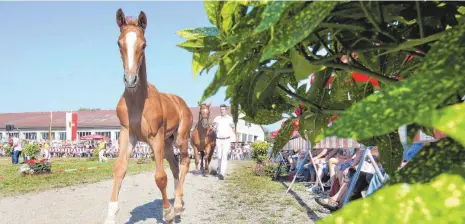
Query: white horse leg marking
pixel 131 38
pixel 112 212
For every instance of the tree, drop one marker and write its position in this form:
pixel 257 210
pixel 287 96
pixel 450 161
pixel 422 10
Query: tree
pixel 412 54
pixel 88 109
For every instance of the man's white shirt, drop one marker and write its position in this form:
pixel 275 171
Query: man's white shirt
pixel 224 126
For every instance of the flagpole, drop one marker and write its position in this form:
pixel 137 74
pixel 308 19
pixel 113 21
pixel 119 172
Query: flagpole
pixel 50 130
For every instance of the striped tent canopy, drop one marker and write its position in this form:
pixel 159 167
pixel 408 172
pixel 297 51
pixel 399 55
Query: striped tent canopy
pixel 335 143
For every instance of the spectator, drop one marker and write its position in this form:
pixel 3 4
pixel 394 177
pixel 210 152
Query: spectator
pixel 17 149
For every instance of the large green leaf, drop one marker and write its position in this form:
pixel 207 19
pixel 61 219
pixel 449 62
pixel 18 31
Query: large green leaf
pixel 227 15
pixel 410 44
pixel 284 135
pixel 302 67
pixel 288 33
pixel 212 8
pixel 199 60
pixel 450 120
pixel 218 81
pixel 390 152
pixel 311 126
pixel 213 60
pixel 265 117
pixel 195 33
pixel 434 159
pixel 440 201
pixel 205 44
pixel 272 14
pixel 440 76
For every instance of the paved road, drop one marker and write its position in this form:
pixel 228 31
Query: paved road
pixel 140 202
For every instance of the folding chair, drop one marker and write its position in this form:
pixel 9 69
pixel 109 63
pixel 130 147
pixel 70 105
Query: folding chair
pixel 353 181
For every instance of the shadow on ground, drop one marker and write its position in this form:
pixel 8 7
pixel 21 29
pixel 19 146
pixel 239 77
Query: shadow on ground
pixel 151 210
pixel 310 213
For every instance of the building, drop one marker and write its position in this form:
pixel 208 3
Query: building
pixel 35 125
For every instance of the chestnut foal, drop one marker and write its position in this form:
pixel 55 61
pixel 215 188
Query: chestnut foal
pixel 150 116
pixel 203 140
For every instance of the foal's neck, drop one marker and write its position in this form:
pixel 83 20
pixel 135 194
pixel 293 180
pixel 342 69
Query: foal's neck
pixel 142 90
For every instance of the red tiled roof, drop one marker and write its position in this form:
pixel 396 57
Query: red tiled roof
pixel 99 118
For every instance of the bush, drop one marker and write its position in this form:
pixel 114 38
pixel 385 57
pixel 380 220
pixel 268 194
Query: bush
pixel 259 151
pixel 8 151
pixel 270 168
pixel 31 150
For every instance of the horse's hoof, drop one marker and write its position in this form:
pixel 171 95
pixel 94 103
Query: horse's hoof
pixel 110 221
pixel 177 209
pixel 168 214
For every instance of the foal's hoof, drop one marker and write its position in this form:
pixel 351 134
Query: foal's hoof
pixel 177 209
pixel 109 221
pixel 168 214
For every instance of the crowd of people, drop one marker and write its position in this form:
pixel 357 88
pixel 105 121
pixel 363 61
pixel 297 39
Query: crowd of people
pixel 106 149
pixel 335 169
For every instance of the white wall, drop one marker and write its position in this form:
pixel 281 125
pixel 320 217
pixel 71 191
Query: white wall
pixel 253 129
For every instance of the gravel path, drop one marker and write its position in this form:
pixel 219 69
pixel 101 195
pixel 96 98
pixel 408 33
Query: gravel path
pixel 207 200
pixel 140 202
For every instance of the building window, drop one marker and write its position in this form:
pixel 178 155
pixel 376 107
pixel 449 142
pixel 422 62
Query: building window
pixel 15 134
pixel 83 133
pixel 250 139
pixel 248 124
pixel 117 135
pixel 45 135
pixel 62 135
pixel 31 135
pixel 244 137
pixel 104 133
pixel 1 135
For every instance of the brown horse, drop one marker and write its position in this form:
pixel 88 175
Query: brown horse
pixel 150 116
pixel 203 140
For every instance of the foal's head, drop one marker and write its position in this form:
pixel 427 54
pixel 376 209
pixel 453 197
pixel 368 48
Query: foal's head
pixel 131 44
pixel 204 114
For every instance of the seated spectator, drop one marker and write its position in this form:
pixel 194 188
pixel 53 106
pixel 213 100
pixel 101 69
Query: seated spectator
pixel 320 157
pixel 342 179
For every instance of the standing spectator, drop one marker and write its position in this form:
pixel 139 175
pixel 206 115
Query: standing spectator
pixel 17 149
pixel 223 125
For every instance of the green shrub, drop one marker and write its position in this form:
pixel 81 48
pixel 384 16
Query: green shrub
pixel 259 151
pixel 31 150
pixel 8 151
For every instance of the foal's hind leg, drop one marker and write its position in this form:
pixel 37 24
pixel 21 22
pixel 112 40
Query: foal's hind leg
pixel 185 160
pixel 196 158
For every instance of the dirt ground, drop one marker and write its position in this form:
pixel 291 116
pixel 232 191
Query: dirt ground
pixel 207 200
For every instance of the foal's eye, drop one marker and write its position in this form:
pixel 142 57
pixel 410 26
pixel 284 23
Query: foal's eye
pixel 119 45
pixel 143 46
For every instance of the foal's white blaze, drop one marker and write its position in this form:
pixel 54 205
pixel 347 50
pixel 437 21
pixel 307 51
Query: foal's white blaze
pixel 131 38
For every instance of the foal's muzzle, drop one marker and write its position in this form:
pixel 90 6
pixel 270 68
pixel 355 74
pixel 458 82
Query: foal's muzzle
pixel 131 80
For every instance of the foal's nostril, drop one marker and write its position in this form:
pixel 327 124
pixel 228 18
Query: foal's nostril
pixel 135 78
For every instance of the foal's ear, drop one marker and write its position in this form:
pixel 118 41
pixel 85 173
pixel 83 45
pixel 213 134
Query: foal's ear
pixel 142 20
pixel 120 18
pixel 209 104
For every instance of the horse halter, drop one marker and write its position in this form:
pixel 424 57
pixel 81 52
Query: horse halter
pixel 204 120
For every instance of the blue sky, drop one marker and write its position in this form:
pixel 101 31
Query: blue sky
pixel 60 56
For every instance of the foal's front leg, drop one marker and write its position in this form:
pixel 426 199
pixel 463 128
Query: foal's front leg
pixel 157 144
pixel 127 142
